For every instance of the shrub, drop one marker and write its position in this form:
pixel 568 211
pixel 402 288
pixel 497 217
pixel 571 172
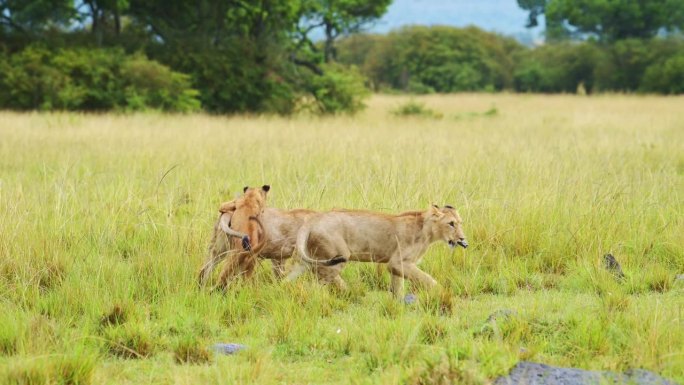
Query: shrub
pixel 433 59
pixel 338 90
pixel 91 80
pixel 666 77
pixel 557 68
pixel 413 108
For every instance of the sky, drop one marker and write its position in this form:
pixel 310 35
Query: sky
pixel 503 16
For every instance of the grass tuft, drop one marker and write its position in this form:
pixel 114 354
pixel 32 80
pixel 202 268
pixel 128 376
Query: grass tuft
pixel 443 371
pixel 116 316
pixel 189 350
pixel 130 341
pixel 70 369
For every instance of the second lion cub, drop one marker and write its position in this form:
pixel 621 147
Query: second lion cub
pixel 335 237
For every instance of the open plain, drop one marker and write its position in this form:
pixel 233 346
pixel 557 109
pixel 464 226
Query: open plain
pixel 105 221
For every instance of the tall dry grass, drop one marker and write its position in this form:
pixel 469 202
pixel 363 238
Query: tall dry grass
pixel 105 220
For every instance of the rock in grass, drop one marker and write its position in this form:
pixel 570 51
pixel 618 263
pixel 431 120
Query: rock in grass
pixel 492 325
pixel 531 373
pixel 228 349
pixel 612 265
pixel 410 299
pixel 502 314
pixel 679 278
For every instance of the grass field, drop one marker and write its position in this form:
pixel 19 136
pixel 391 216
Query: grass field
pixel 105 220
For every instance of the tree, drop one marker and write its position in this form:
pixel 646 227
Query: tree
pixel 535 8
pixel 103 14
pixel 338 18
pixel 34 15
pixel 605 19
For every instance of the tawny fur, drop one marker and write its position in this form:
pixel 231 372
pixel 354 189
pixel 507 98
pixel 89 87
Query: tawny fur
pixel 241 216
pixel 279 244
pixel 397 240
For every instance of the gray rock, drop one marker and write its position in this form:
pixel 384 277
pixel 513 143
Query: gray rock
pixel 500 315
pixel 679 278
pixel 612 265
pixel 228 348
pixel 410 299
pixel 530 373
pixel 491 327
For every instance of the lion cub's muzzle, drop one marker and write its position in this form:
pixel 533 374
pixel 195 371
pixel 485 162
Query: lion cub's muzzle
pixel 461 242
pixel 246 244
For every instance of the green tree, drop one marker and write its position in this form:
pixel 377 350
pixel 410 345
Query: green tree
pixel 608 20
pixel 338 18
pixel 105 16
pixel 433 59
pixel 35 15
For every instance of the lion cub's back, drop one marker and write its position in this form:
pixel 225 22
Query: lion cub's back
pixel 353 225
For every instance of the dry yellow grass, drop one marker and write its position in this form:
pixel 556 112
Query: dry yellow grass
pixel 105 214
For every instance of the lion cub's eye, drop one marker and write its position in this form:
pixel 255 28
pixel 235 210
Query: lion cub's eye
pixel 452 224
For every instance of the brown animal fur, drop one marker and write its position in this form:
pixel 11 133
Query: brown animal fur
pixel 333 238
pixel 237 219
pixel 279 243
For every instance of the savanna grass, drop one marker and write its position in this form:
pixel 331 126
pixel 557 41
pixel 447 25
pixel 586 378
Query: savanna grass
pixel 105 221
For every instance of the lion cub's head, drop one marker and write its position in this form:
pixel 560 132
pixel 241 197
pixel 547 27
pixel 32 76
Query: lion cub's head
pixel 236 215
pixel 447 225
pixel 250 204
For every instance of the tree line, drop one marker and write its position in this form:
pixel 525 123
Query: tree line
pixel 443 59
pixel 283 56
pixel 224 56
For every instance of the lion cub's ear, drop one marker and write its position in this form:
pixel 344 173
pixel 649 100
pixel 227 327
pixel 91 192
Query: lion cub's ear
pixel 266 188
pixel 244 190
pixel 227 207
pixel 435 211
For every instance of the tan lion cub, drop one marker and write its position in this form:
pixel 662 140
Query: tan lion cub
pixel 335 237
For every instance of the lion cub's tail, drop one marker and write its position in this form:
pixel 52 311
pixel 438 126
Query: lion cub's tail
pixel 302 240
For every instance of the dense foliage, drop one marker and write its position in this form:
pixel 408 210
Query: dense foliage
pixel 93 80
pixel 239 56
pixel 606 20
pixel 447 59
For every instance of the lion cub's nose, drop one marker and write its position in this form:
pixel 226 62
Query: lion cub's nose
pixel 462 242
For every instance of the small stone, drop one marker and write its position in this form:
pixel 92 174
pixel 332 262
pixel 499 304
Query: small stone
pixel 502 314
pixel 679 278
pixel 612 265
pixel 410 299
pixel 228 348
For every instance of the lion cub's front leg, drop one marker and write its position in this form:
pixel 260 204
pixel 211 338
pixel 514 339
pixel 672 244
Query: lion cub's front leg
pixel 410 271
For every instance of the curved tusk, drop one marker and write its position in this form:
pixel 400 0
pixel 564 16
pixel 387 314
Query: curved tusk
pixel 224 223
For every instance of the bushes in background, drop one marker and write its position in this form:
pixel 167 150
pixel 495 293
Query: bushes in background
pixel 37 78
pixel 433 59
pixel 446 59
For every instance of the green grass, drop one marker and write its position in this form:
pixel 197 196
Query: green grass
pixel 105 221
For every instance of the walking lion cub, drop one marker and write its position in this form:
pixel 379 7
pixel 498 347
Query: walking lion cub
pixel 335 237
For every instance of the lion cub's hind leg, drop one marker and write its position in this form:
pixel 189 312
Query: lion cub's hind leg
pixel 230 270
pixel 331 275
pixel 218 250
pixel 278 266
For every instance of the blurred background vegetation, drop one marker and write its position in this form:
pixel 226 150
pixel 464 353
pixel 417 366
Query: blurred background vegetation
pixel 284 56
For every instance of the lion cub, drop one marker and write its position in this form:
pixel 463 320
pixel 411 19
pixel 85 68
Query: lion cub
pixel 335 237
